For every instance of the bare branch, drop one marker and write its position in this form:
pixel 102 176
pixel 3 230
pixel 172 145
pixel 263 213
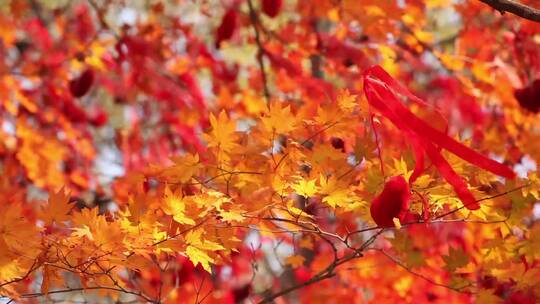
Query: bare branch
pixel 516 8
pixel 260 60
pixel 327 272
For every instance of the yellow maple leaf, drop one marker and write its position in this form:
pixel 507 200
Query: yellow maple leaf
pixel 481 72
pixel 346 102
pixel 174 205
pixel 400 168
pixel 223 133
pixel 325 153
pixel 296 212
pixel 306 243
pixel 85 217
pixel 83 231
pixel 437 3
pixel 335 195
pixel 194 238
pixel 183 169
pixel 254 104
pixel 534 187
pixel 198 247
pixel 389 57
pixel 295 261
pixel 328 114
pixel 450 61
pixel 403 284
pixel 231 216
pixel 305 188
pixel 279 120
pixel 198 256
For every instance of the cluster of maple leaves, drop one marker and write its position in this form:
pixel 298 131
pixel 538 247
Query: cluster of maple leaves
pixel 258 151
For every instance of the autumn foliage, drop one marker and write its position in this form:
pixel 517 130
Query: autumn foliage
pixel 269 151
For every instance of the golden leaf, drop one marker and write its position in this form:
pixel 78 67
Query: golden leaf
pixel 295 261
pixel 306 188
pixel 279 120
pixel 174 205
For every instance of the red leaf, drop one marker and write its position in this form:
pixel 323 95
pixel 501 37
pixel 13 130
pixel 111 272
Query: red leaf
pixel 82 84
pixel 73 112
pixel 529 96
pixel 192 86
pixel 279 61
pixel 341 50
pixel 39 34
pixel 272 7
pixel 99 119
pixel 228 26
pixel 84 26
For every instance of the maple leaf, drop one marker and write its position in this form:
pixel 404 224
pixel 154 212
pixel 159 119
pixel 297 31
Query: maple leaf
pixel 231 216
pixel 106 235
pixel 136 208
pixel 306 243
pixel 174 205
pixel 296 212
pixel 184 168
pixel 85 217
pixel 9 266
pixel 487 296
pixel 455 259
pixel 306 188
pixel 328 114
pixel 253 103
pixel 223 132
pixel 197 249
pixel 198 256
pixel 534 187
pixel 403 285
pixel 326 153
pixel 279 120
pixel 335 195
pixel 529 279
pixel 58 207
pixel 400 168
pixel 403 244
pixel 346 101
pixel 83 231
pixel 234 193
pixel 295 261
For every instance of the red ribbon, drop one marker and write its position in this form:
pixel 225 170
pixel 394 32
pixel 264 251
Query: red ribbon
pixel 382 93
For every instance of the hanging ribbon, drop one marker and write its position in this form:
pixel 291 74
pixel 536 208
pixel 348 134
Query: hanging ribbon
pixel 382 91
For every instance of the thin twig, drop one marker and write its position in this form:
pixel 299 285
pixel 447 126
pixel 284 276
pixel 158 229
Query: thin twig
pixel 425 278
pixel 260 59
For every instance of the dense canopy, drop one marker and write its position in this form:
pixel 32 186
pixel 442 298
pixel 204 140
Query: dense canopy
pixel 269 151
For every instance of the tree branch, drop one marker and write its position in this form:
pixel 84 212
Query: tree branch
pixel 260 60
pixel 326 273
pixel 516 8
pixel 417 274
pixel 82 289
